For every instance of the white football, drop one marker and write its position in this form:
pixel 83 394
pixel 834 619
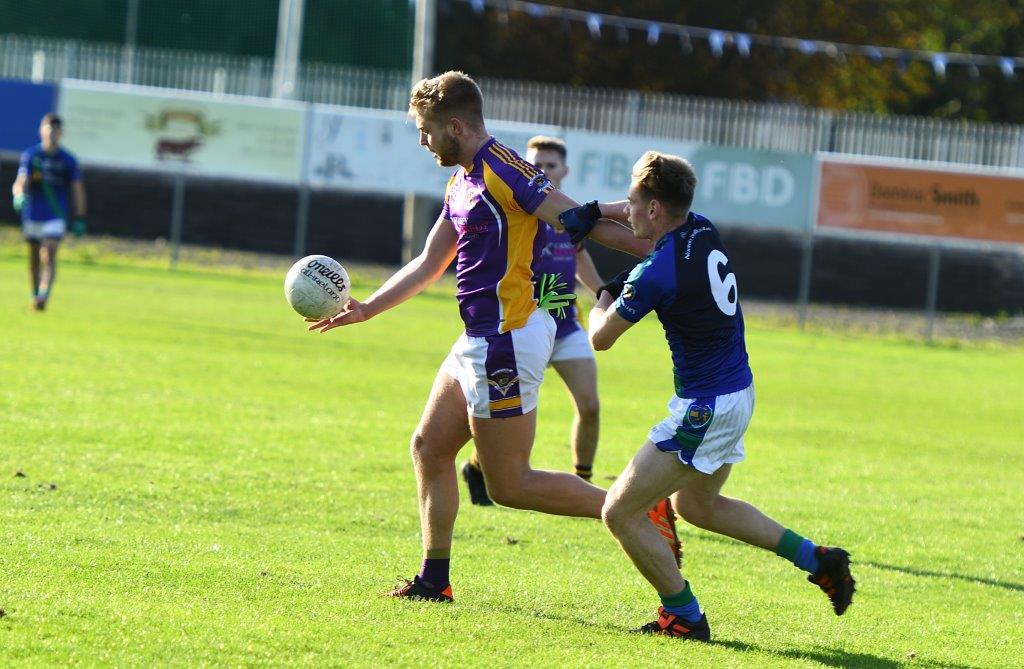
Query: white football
pixel 317 287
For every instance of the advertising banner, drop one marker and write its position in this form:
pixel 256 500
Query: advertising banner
pixel 379 151
pixel 175 130
pixel 741 186
pixel 24 104
pixel 918 200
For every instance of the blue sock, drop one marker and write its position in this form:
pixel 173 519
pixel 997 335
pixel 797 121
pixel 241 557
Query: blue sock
pixel 435 572
pixel 807 556
pixel 801 552
pixel 683 604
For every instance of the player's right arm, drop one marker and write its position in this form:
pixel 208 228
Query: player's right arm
pixel 20 188
pixel 420 272
pixel 610 233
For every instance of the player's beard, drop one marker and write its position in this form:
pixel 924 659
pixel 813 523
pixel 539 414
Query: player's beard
pixel 446 153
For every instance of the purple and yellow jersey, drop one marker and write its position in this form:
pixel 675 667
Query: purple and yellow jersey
pixel 558 256
pixel 499 238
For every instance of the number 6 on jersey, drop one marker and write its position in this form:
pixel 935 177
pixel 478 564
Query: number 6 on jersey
pixel 724 290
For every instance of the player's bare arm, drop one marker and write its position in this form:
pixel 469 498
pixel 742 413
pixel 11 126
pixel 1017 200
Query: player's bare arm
pixel 420 272
pixel 19 185
pixel 78 189
pixel 605 325
pixel 615 210
pixel 586 271
pixel 606 232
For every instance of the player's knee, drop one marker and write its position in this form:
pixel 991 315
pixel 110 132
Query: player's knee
pixel 615 515
pixel 423 449
pixel 589 408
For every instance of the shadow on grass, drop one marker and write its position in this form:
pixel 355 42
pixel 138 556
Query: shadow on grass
pixel 831 657
pixel 924 573
pixel 1016 587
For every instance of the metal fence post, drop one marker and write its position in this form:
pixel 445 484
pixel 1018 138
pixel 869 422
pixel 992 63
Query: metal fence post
pixel 302 209
pixel 932 291
pixel 177 216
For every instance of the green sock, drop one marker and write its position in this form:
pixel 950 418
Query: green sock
pixel 682 604
pixel 789 544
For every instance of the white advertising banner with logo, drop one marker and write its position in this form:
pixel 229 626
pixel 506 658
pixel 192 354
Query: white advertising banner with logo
pixel 741 186
pixel 379 151
pixel 175 130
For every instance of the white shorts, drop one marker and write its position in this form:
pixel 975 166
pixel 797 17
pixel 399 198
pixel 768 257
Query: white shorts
pixel 706 432
pixel 36 230
pixel 573 346
pixel 501 374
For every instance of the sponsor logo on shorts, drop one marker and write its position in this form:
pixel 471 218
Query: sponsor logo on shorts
pixel 503 380
pixel 699 415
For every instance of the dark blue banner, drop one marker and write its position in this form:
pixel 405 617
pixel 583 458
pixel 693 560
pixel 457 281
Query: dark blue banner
pixel 22 105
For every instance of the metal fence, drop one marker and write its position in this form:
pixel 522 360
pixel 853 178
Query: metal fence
pixel 742 124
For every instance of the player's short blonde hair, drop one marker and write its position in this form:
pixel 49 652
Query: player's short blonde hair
pixel 449 95
pixel 666 178
pixel 546 143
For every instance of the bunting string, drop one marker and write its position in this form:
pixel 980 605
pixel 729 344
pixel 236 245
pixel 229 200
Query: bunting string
pixel 719 41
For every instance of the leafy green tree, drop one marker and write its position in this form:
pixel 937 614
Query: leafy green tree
pixel 520 46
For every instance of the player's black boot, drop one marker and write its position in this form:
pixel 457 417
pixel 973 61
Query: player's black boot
pixel 834 577
pixel 417 589
pixel 474 479
pixel 669 624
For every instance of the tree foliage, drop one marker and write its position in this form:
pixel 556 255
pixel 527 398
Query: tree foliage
pixel 516 45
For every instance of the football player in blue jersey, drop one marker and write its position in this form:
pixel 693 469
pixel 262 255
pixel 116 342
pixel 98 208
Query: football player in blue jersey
pixel 689 282
pixel 47 176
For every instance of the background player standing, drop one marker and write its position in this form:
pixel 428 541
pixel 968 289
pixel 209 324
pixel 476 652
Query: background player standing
pixel 572 356
pixel 688 281
pixel 47 175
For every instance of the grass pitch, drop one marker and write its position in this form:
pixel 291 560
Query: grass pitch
pixel 189 478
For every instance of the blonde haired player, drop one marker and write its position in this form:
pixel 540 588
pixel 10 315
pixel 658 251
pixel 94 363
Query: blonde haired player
pixel 486 388
pixel 572 357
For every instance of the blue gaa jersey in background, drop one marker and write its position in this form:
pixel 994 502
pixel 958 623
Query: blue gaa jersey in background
pixel 58 170
pixel 688 282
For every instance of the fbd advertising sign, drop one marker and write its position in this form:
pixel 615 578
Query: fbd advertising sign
pixel 740 186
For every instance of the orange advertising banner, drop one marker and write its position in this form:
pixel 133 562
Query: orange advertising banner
pixel 913 200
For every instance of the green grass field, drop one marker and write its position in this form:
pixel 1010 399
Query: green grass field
pixel 205 483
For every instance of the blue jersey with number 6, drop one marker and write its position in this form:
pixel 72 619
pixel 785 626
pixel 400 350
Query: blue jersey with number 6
pixel 688 281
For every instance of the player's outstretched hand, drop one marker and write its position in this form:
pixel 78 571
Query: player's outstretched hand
pixel 352 313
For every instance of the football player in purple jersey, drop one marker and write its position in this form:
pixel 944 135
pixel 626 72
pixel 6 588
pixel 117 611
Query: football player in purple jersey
pixel 486 389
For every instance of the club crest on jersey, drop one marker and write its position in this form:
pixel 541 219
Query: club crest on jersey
pixel 628 292
pixel 540 182
pixel 503 380
pixel 699 415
